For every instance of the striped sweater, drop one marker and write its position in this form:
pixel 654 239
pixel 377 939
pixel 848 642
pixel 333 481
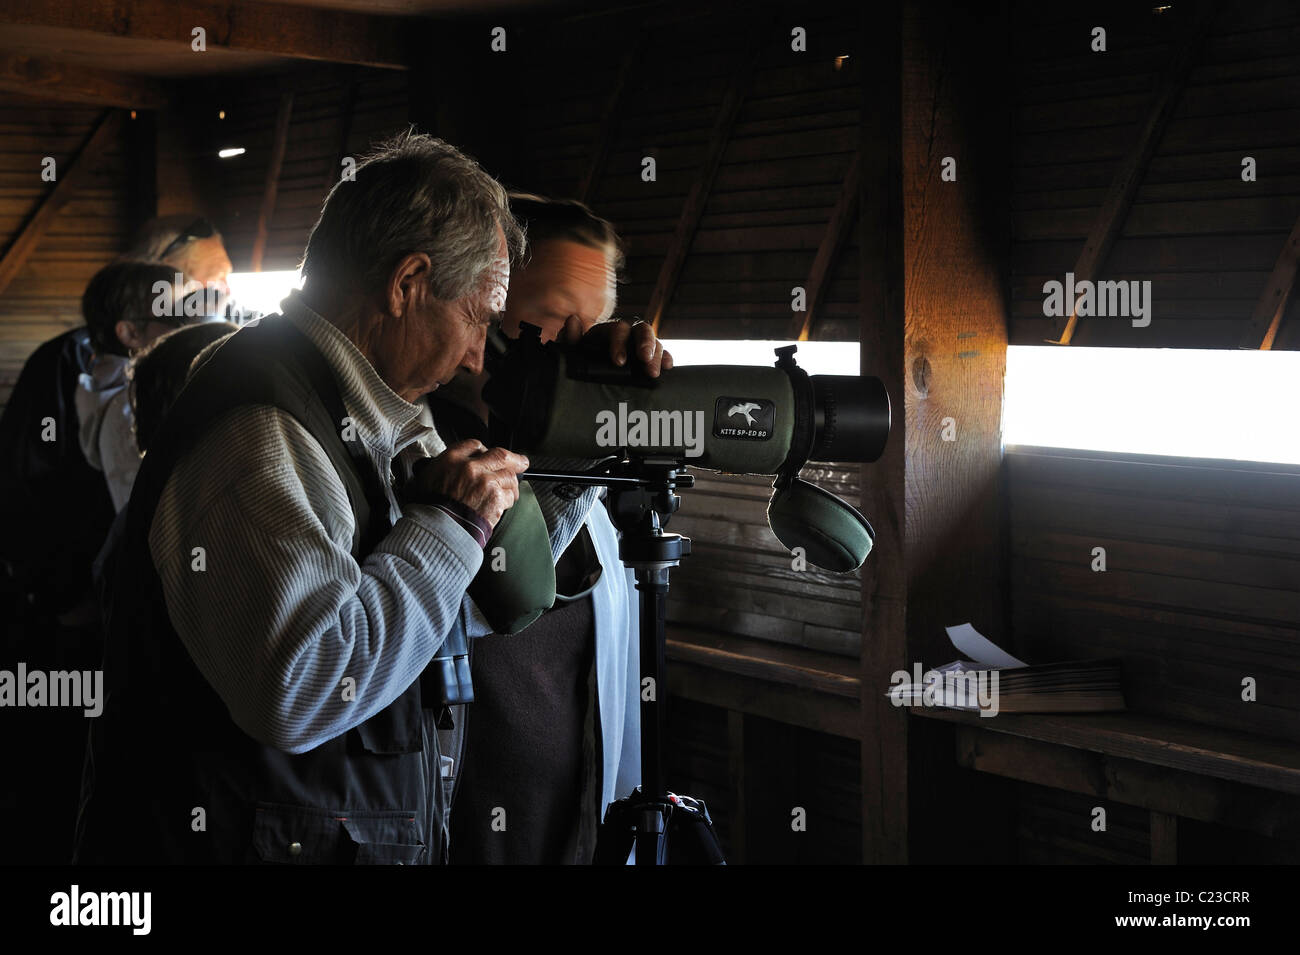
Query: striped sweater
pixel 252 539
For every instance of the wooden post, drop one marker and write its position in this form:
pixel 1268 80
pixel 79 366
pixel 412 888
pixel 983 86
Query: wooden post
pixel 272 185
pixel 934 317
pixel 70 178
pixel 884 582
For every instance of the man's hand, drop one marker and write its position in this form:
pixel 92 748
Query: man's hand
pixel 487 481
pixel 621 340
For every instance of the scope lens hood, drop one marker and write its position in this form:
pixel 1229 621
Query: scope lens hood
pixel 831 532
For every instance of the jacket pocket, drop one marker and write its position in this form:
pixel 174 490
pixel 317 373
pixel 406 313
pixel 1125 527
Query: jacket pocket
pixel 301 835
pixel 395 728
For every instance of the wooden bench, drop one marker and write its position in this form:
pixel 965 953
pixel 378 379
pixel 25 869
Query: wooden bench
pixel 1171 768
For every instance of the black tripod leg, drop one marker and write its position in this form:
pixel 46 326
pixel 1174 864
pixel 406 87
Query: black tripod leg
pixel 652 582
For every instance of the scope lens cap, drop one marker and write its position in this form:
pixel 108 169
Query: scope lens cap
pixel 833 535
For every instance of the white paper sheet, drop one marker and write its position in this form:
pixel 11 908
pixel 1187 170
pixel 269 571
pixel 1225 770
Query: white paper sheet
pixel 975 646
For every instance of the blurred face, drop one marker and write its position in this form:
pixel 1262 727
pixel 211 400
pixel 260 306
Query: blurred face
pixel 205 262
pixel 562 278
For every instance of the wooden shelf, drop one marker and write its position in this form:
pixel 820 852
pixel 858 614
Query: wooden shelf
pixel 1189 747
pixel 794 685
pixel 765 660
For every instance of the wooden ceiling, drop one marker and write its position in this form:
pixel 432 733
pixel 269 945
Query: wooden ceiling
pixel 132 52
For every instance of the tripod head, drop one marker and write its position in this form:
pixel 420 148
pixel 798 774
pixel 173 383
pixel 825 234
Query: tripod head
pixel 642 499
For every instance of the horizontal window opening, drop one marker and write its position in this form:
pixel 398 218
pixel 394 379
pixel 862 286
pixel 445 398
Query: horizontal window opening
pixel 1177 402
pixel 263 291
pixel 816 358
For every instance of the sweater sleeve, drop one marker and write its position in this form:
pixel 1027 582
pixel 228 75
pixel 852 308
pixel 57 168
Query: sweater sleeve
pixel 252 539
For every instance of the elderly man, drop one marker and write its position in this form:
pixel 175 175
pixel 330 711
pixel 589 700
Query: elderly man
pixel 300 542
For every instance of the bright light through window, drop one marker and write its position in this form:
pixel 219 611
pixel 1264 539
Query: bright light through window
pixel 1238 405
pixel 816 358
pixel 262 291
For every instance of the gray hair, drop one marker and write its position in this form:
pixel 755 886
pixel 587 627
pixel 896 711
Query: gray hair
pixel 413 193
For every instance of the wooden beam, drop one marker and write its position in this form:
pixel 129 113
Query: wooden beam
pixel 882 727
pixel 1266 319
pixel 828 252
pixel 693 208
pixel 294 31
pixel 1114 209
pixel 71 177
pixel 47 79
pixel 935 495
pixel 609 121
pixel 1184 793
pixel 272 184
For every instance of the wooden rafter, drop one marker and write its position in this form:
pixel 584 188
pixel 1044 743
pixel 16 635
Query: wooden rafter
pixel 609 121
pixel 272 184
pixel 1114 210
pixel 345 133
pixel 339 36
pixel 1266 319
pixel 71 177
pixel 828 252
pixel 693 208
pixel 47 79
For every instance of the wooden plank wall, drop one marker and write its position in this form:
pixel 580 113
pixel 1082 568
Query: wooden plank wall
pixel 1205 239
pixel 45 297
pixel 311 162
pixel 779 177
pixel 1201 587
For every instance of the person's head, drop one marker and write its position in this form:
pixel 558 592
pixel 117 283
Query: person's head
pixel 158 373
pixel 129 304
pixel 411 260
pixel 191 245
pixel 574 258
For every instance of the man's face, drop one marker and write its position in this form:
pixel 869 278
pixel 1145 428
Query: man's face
pixel 562 278
pixel 205 263
pixel 433 340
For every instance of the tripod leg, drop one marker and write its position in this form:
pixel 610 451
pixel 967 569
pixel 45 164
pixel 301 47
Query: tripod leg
pixel 653 586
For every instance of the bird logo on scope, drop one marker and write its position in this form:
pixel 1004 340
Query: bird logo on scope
pixel 747 409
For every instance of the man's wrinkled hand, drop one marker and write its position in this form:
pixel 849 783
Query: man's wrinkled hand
pixel 484 480
pixel 622 340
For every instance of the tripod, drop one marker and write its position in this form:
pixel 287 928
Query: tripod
pixel 642 497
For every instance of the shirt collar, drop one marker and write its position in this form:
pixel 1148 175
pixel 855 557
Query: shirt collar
pixel 380 414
